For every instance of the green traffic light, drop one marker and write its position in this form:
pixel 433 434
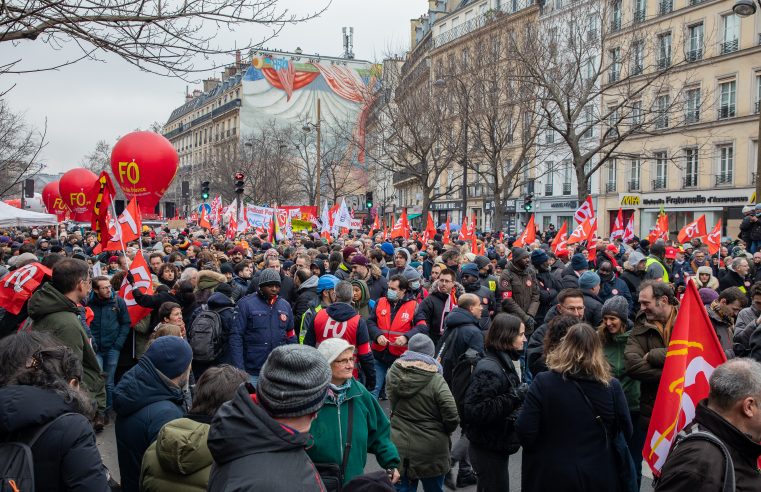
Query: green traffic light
pixel 205 196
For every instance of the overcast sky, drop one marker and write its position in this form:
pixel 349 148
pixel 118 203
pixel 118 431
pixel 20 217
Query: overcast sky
pixel 90 101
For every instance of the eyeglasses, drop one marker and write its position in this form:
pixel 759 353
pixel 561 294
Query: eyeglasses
pixel 343 362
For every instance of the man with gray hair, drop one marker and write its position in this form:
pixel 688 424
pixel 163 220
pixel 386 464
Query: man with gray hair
pixel 341 320
pixel 719 450
pixel 736 275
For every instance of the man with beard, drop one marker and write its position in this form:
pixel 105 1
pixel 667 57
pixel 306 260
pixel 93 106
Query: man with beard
pixel 548 285
pixel 434 308
pixel 723 312
pixel 471 283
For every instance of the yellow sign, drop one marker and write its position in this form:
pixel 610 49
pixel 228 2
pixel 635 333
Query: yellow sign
pixel 752 198
pixel 630 200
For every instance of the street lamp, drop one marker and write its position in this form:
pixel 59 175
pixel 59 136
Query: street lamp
pixel 745 8
pixel 307 128
pixel 440 83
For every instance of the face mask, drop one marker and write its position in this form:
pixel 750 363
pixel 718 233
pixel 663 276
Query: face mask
pixel 415 285
pixel 392 295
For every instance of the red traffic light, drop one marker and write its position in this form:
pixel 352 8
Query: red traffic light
pixel 239 176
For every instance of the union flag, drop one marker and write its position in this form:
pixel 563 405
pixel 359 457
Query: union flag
pixel 713 240
pixel 560 240
pixel 618 226
pixel 696 228
pixel 401 227
pixel 528 235
pixel 17 287
pixel 583 232
pixel 142 276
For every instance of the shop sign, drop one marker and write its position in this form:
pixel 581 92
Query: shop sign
pixel 631 200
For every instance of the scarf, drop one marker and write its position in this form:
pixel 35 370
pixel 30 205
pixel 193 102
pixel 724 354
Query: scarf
pixel 417 356
pixel 337 394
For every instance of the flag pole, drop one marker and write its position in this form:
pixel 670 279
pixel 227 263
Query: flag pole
pixel 121 238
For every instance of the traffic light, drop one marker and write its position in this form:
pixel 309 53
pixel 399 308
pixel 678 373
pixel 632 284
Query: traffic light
pixel 369 200
pixel 205 190
pixel 239 183
pixel 528 202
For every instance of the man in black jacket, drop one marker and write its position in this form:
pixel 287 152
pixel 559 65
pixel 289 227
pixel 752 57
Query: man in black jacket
pixel 434 309
pixel 549 286
pixel 258 439
pixel 732 414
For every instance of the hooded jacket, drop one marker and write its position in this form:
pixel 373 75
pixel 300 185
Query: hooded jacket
pixel 252 451
pixel 731 278
pixel 362 306
pixel 724 328
pixel 592 307
pixel 144 400
pixel 614 347
pixel 713 282
pixel 54 313
pixel 111 322
pixel 179 459
pixel 569 277
pixel 306 296
pixel 393 270
pixel 424 416
pixel 462 333
pixel 66 457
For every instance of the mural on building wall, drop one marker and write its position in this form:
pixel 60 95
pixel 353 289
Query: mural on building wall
pixel 285 87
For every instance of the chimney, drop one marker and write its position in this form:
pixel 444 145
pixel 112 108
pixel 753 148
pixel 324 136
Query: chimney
pixel 196 93
pixel 237 58
pixel 188 97
pixel 210 84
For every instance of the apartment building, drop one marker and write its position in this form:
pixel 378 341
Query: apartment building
pixel 700 156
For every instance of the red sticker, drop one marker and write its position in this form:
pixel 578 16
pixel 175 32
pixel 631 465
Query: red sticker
pixel 507 294
pixel 283 317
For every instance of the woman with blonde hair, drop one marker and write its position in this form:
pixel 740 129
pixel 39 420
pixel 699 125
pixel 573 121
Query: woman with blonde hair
pixel 577 409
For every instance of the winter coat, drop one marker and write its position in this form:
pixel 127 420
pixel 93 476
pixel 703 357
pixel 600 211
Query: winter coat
pixel 733 279
pixel 751 228
pixel 632 280
pixel 362 306
pixel 462 332
pixel 724 331
pixel 66 457
pixel 488 304
pixel 179 459
pixel 54 313
pixel 110 323
pixel 431 310
pixel 549 287
pixel 306 296
pixel 745 325
pixel 698 465
pixel 569 277
pixel 259 328
pixel 713 282
pixel 614 347
pixel 225 308
pixel 377 283
pixel 371 433
pixel 490 403
pixel 154 302
pixel 615 287
pixel 535 350
pixel 520 292
pixel 343 272
pixel 423 416
pixel 644 356
pixel 252 451
pixel 563 445
pixel 592 308
pixel 144 400
pixel 385 355
pixel 755 345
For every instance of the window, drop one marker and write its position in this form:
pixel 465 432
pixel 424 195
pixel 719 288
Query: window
pixel 612 122
pixel 662 103
pixel 726 157
pixel 730 27
pixel 549 135
pixel 665 6
pixel 588 123
pixel 640 11
pixel 692 105
pixel 638 57
pixel 757 105
pixel 615 64
pixel 690 167
pixel 615 17
pixel 634 175
pixel 567 177
pixel 727 95
pixel 549 185
pixel 659 183
pixel 590 69
pixel 465 58
pixel 592 27
pixel 636 113
pixel 694 40
pixel 664 51
pixel 610 186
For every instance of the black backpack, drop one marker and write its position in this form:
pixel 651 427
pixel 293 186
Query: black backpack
pixel 17 462
pixel 461 374
pixel 206 336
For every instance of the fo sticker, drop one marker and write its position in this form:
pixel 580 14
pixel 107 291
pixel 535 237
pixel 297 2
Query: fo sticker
pixel 528 282
pixel 283 317
pixel 615 292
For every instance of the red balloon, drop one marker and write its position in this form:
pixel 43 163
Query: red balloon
pixel 51 197
pixel 76 188
pixel 144 164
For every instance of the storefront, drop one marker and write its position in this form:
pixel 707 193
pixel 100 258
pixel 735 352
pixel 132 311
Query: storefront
pixel 555 211
pixel 440 210
pixel 509 217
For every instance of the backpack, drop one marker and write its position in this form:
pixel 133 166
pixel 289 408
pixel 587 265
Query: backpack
pixel 17 462
pixel 461 374
pixel 206 336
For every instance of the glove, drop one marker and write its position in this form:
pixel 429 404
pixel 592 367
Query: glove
pixel 130 278
pixel 529 323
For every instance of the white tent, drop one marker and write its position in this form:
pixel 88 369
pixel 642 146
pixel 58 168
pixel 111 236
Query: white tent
pixel 11 216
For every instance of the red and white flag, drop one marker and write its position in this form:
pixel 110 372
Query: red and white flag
pixel 528 235
pixel 430 231
pixel 585 211
pixel 560 240
pixel 583 232
pixel 693 352
pixel 618 226
pixel 629 231
pixel 124 229
pixel 696 228
pixel 401 227
pixel 142 276
pixel 17 287
pixel 713 240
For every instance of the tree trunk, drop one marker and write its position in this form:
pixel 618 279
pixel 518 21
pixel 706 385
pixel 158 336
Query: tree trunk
pixel 498 214
pixel 581 184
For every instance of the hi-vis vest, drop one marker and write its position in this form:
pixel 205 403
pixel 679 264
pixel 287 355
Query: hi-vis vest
pixel 392 329
pixel 651 260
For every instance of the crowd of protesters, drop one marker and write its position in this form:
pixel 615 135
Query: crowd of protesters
pixel 261 366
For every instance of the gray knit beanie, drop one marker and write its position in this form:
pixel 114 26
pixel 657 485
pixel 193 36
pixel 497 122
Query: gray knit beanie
pixel 293 381
pixel 422 344
pixel 616 306
pixel 269 276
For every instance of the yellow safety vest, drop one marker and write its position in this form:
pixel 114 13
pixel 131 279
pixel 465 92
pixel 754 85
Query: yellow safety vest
pixel 651 260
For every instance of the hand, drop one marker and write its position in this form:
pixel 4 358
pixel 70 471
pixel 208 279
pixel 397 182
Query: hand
pixel 401 340
pixel 130 278
pixel 394 475
pixel 382 340
pixel 758 321
pixel 521 391
pixel 529 323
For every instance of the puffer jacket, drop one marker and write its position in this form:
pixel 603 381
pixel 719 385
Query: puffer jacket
pixel 144 400
pixel 179 459
pixel 614 347
pixel 370 433
pixel 423 416
pixel 111 322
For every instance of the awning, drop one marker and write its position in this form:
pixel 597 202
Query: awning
pixel 413 216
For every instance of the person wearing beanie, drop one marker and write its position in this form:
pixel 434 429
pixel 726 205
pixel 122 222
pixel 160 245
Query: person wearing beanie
pixel 611 285
pixel 388 250
pixel 573 270
pixel 263 322
pixel 326 296
pixel 259 439
pixel 486 278
pixel 520 289
pixel 425 415
pixel 402 259
pixel 271 261
pixel 371 274
pixel 589 284
pixel 148 396
pixel 344 268
pixel 549 285
pixel 416 284
pixel 655 264
pixel 350 405
pixel 470 280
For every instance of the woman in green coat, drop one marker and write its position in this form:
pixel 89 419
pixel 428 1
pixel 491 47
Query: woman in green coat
pixel 423 416
pixel 370 429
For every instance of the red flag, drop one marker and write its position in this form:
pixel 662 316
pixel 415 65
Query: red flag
pixel 18 286
pixel 466 232
pixel 560 239
pixel 385 229
pixel 528 235
pixel 693 352
pixel 103 191
pixel 142 275
pixel 629 231
pixel 661 230
pixel 618 226
pixel 713 240
pixel 126 228
pixel 696 228
pixel 430 231
pixel 232 228
pixel 402 227
pixel 376 225
pixel 447 232
pixel 474 245
pixel 203 221
pixel 585 211
pixel 582 232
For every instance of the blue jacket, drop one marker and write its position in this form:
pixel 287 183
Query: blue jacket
pixel 110 323
pixel 259 327
pixel 144 400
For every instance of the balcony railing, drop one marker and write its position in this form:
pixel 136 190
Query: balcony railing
pixel 477 22
pixel 610 187
pixel 659 184
pixel 548 189
pixel 724 179
pixel 665 7
pixel 664 62
pixel 757 107
pixel 694 55
pixel 729 46
pixel 690 181
pixel 726 112
pixel 692 116
pixel 615 24
pixel 639 16
pixel 633 185
pixel 566 188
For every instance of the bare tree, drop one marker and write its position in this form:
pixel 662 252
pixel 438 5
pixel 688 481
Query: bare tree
pixel 99 158
pixel 20 147
pixel 167 38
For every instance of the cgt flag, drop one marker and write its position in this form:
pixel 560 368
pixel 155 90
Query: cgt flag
pixel 18 286
pixel 585 211
pixel 692 354
pixel 560 240
pixel 139 270
pixel 713 240
pixel 528 236
pixel 618 226
pixel 696 228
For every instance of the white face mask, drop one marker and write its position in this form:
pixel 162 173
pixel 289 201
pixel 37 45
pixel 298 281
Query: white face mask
pixel 415 285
